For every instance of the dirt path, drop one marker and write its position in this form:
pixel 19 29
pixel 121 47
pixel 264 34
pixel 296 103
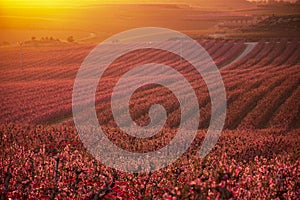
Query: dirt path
pixel 249 48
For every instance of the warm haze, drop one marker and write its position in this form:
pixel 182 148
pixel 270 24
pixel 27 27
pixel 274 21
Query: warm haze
pixel 96 20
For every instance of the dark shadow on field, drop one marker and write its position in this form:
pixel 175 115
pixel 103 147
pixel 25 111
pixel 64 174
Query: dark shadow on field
pixel 268 149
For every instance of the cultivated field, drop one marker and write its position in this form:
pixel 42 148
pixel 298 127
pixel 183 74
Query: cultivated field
pixel 256 157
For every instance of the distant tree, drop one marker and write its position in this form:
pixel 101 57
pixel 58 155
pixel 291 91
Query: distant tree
pixel 70 39
pixel 33 38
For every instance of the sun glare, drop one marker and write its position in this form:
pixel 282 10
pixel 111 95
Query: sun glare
pixel 33 3
pixel 56 3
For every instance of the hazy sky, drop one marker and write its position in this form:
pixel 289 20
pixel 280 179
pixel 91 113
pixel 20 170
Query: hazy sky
pixel 55 3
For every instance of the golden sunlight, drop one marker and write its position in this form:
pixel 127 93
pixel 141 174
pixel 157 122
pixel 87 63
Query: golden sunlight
pixel 57 3
pixel 30 3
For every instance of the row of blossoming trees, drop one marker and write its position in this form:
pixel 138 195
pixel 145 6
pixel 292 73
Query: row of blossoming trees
pixel 42 162
pixel 257 155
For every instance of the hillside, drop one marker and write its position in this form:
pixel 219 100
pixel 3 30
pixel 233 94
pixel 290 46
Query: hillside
pixel 230 4
pixel 257 155
pixel 44 73
pixel 274 26
pixel 215 4
pixel 290 23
